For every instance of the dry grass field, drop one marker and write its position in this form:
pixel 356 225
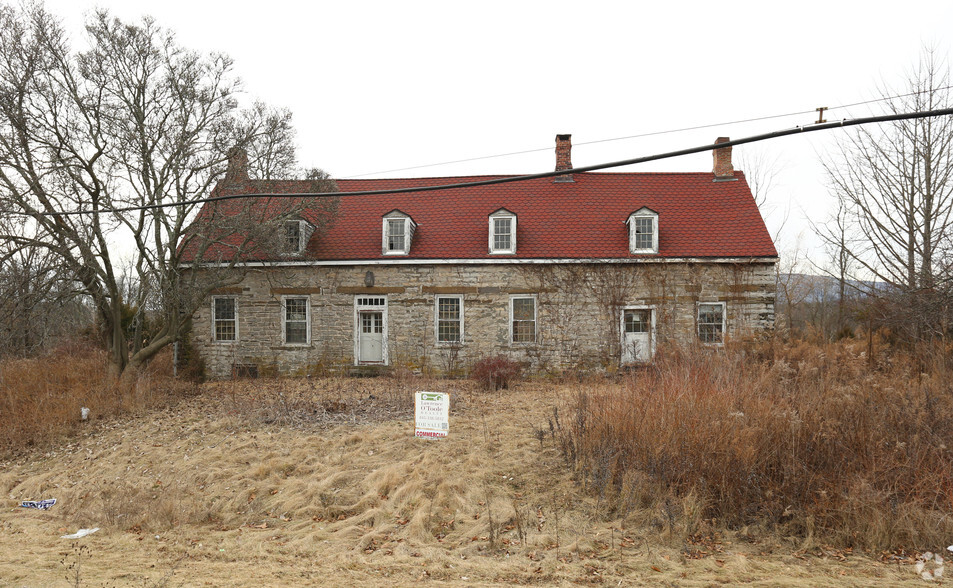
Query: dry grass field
pixel 320 482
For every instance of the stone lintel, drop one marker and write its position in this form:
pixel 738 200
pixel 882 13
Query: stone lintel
pixel 225 291
pixel 745 287
pixel 375 290
pixel 449 290
pixel 530 290
pixel 296 290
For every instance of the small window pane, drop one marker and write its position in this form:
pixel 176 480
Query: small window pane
pixel 296 320
pixel 293 236
pixel 448 320
pixel 524 320
pixel 449 308
pixel 296 333
pixel 224 308
pixel 644 233
pixel 636 321
pixel 395 235
pixel 524 309
pixel 224 319
pixel 296 309
pixel 711 322
pixel 502 233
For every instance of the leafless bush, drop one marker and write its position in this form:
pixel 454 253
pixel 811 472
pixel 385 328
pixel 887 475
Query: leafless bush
pixel 805 438
pixel 41 398
pixel 495 373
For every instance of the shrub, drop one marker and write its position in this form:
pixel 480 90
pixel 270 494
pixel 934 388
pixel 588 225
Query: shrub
pixel 41 398
pixel 817 441
pixel 496 372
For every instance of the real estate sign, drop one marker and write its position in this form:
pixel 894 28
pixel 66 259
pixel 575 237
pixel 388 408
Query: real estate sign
pixel 431 414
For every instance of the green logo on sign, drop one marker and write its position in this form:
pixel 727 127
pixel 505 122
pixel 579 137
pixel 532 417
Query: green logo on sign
pixel 431 396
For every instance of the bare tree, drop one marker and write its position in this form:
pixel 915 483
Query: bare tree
pixel 38 304
pixel 119 131
pixel 894 185
pixel 761 171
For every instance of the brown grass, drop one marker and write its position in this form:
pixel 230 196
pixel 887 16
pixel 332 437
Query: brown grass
pixel 321 482
pixel 810 441
pixel 41 398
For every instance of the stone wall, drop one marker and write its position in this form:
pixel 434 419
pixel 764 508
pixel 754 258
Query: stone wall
pixel 578 323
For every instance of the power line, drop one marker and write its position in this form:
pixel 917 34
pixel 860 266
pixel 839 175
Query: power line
pixel 638 136
pixel 523 178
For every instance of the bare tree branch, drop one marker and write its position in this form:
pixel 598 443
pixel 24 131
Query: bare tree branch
pixel 133 120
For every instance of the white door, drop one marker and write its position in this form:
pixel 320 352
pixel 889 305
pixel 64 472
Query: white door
pixel 636 335
pixel 371 334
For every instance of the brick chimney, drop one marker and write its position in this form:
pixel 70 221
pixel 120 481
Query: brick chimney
pixel 563 157
pixel 723 169
pixel 237 172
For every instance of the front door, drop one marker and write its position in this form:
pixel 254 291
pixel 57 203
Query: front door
pixel 637 335
pixel 371 335
pixel 370 330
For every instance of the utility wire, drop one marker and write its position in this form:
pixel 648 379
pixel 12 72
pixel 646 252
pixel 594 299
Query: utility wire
pixel 639 136
pixel 511 179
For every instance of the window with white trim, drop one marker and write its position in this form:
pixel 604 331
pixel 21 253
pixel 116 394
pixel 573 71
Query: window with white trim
pixel 296 236
pixel 523 319
pixel 502 232
pixel 224 319
pixel 296 320
pixel 449 318
pixel 293 236
pixel 398 232
pixel 711 322
pixel 396 236
pixel 643 231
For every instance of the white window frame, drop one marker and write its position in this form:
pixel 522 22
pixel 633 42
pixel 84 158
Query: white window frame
pixel 284 320
pixel 500 215
pixel 305 230
pixel 436 319
pixel 724 322
pixel 509 325
pixel 409 227
pixel 632 222
pixel 215 320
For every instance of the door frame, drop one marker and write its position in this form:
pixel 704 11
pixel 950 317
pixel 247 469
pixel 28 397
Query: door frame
pixel 370 303
pixel 652 334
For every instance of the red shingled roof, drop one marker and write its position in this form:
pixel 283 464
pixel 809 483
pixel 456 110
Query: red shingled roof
pixel 584 219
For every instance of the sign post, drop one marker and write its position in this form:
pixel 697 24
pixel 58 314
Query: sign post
pixel 431 414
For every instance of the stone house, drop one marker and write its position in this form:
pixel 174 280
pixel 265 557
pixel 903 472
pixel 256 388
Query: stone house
pixel 580 271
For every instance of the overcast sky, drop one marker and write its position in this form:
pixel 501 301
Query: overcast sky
pixel 379 86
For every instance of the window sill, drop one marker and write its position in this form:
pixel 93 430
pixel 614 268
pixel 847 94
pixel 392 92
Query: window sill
pixel 292 346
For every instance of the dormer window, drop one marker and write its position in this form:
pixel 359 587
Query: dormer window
pixel 398 232
pixel 297 234
pixel 643 231
pixel 503 232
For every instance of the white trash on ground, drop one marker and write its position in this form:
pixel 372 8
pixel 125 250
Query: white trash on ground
pixel 39 504
pixel 929 565
pixel 80 533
